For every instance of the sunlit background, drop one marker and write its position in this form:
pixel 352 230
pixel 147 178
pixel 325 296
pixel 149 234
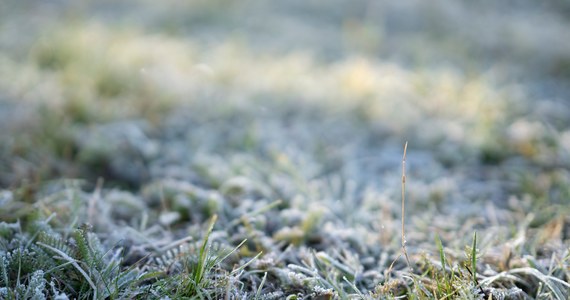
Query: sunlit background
pixel 455 76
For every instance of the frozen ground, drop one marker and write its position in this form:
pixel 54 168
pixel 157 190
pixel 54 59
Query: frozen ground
pixel 285 122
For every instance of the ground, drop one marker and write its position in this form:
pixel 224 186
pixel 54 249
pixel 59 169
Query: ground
pixel 253 150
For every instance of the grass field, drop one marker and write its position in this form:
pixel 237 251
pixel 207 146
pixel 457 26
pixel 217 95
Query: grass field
pixel 253 149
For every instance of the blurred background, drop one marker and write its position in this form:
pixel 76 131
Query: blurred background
pixel 131 91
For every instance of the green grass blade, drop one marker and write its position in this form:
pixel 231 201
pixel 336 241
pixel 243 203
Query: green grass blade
pixel 474 258
pixel 204 251
pixel 441 253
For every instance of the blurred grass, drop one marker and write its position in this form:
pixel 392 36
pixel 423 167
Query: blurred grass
pixel 88 73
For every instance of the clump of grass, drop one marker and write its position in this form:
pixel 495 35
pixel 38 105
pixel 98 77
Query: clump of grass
pixel 190 272
pixel 46 265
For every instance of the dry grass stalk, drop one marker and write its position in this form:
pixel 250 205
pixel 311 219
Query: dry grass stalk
pixel 404 206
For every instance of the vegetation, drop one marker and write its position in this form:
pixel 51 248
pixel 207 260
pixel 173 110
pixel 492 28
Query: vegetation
pixel 253 150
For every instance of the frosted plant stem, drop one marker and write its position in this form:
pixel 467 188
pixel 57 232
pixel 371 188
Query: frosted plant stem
pixel 404 206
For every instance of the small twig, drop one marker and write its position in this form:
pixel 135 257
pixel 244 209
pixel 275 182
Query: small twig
pixel 175 244
pixel 404 206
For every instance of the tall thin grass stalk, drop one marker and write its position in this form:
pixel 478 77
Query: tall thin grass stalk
pixel 474 259
pixel 404 206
